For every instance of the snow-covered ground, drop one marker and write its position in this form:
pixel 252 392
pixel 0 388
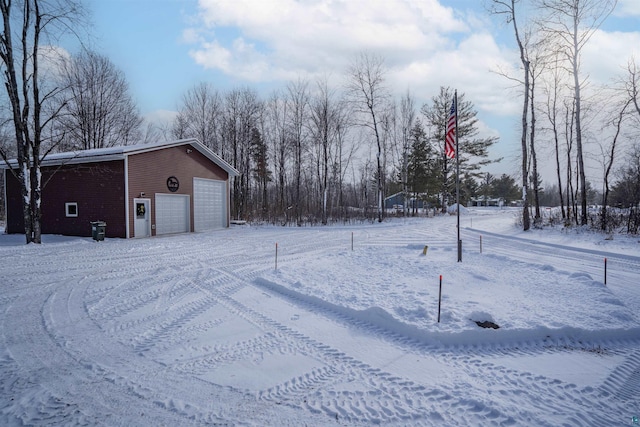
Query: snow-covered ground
pixel 201 329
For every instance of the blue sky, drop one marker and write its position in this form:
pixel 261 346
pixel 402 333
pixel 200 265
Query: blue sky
pixel 165 47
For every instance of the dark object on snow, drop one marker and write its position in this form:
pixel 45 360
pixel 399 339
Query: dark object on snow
pixel 98 229
pixel 487 324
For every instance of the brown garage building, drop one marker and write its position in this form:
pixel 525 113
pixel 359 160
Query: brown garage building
pixel 139 190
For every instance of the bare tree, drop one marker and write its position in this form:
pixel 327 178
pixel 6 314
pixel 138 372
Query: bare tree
pixel 632 84
pixel 241 117
pixel 551 111
pixel 34 106
pixel 407 119
pixel 537 66
pixel 368 93
pixel 508 9
pixel 343 155
pixel 298 100
pixel 572 23
pixel 199 116
pixel 154 132
pixel 276 118
pixel 569 125
pixel 100 111
pixel 615 121
pixel 324 122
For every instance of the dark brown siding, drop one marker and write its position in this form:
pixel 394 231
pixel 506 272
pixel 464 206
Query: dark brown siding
pixel 148 174
pixel 15 218
pixel 97 188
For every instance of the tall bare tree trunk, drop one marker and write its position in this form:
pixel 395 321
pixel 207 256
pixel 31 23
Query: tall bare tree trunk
pixel 534 157
pixel 22 84
pixel 407 117
pixel 572 23
pixel 551 113
pixel 298 96
pixel 617 122
pixel 508 8
pixel 578 115
pixel 367 90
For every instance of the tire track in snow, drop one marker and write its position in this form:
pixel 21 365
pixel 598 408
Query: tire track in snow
pixel 382 398
pixel 624 381
pixel 344 385
pixel 335 402
pixel 343 368
pixel 67 385
pixel 77 390
pixel 530 393
pixel 557 390
pixel 162 312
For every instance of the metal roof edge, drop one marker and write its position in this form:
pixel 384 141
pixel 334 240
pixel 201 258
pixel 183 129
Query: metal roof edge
pixel 207 152
pixel 194 142
pixel 70 158
pixel 119 153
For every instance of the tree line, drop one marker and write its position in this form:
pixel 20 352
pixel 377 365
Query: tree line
pixel 318 152
pixel 562 110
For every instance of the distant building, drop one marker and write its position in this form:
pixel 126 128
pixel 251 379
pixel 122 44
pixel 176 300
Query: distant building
pixel 397 201
pixel 486 201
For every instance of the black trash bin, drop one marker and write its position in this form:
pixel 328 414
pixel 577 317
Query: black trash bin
pixel 97 230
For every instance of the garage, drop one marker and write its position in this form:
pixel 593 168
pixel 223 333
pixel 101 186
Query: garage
pixel 138 190
pixel 209 204
pixel 172 213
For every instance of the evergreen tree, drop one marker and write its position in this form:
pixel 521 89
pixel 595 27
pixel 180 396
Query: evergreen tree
pixel 261 171
pixel 420 172
pixel 473 150
pixel 469 188
pixel 506 188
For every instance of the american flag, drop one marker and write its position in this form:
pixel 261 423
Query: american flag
pixel 450 139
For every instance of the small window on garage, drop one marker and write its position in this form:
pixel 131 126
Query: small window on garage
pixel 71 209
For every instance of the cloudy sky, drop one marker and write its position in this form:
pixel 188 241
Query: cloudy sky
pixel 166 46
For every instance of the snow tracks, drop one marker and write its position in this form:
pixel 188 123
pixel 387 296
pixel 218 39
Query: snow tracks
pixel 172 332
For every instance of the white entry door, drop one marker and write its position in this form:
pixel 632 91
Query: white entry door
pixel 142 221
pixel 172 213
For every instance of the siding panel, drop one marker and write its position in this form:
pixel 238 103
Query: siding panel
pixel 97 188
pixel 148 174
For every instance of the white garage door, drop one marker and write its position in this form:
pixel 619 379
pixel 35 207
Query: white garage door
pixel 209 204
pixel 172 213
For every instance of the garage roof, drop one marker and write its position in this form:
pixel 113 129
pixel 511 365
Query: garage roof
pixel 119 153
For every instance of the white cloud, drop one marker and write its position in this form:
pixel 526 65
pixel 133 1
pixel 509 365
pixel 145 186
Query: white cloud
pixel 469 67
pixel 283 39
pixel 425 45
pixel 212 55
pixel 628 8
pixel 309 33
pixel 607 53
pixel 191 36
pixel 52 59
pixel 161 117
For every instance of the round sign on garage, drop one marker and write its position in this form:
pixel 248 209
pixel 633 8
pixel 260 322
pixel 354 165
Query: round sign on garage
pixel 173 184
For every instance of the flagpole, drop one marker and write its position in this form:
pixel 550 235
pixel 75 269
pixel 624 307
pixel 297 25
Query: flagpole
pixel 458 178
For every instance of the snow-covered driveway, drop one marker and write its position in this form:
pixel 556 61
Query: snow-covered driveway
pixel 202 329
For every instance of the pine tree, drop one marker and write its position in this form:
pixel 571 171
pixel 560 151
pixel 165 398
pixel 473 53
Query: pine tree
pixel 421 176
pixel 474 151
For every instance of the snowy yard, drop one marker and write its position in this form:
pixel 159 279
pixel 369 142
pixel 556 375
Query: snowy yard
pixel 202 329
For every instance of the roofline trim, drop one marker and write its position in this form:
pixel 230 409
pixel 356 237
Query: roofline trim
pixel 119 153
